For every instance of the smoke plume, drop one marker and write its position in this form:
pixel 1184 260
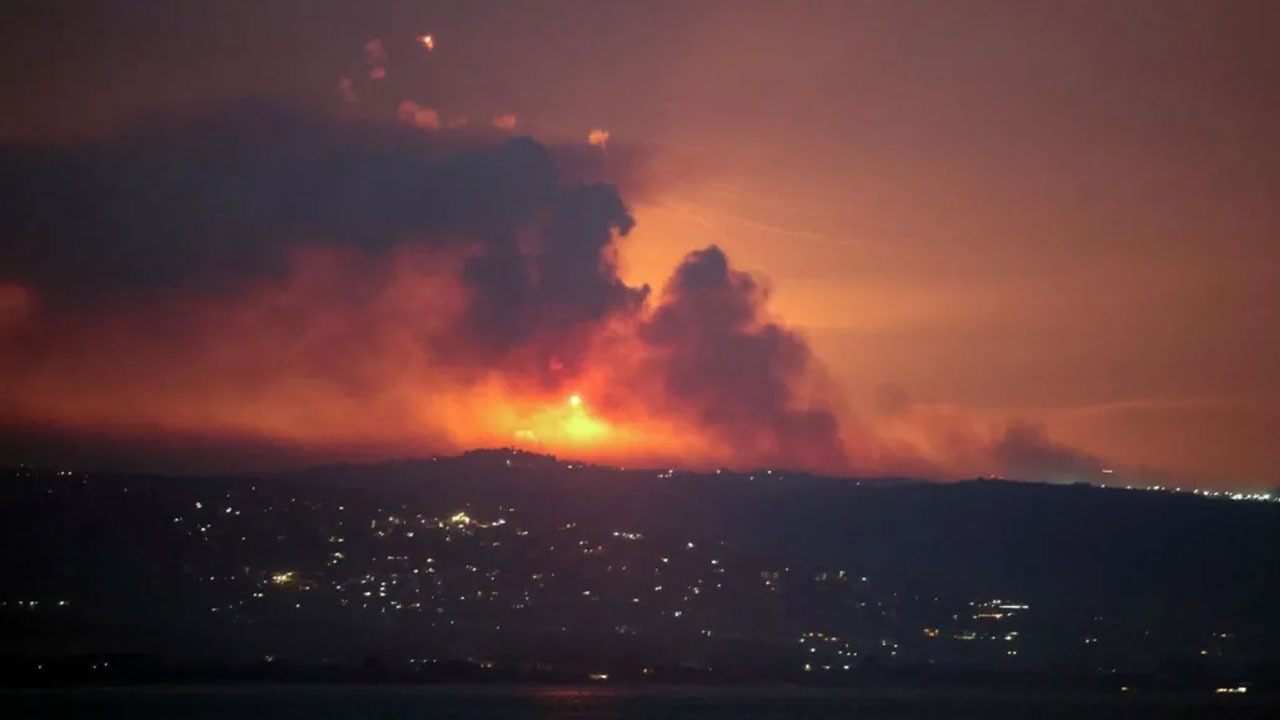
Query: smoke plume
pixel 329 283
pixel 719 359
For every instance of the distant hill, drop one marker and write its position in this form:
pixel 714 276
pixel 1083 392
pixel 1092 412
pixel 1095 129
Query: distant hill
pixel 522 560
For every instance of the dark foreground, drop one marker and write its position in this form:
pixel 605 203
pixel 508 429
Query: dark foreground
pixel 589 703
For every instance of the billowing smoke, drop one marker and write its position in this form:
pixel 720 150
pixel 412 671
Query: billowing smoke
pixel 736 372
pixel 1026 450
pixel 334 288
pixel 299 278
pixel 206 206
pixel 958 443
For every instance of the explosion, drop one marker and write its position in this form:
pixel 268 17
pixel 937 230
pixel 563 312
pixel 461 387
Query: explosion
pixel 300 286
pixel 598 137
pixel 345 286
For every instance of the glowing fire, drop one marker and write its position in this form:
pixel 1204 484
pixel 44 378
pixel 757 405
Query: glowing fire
pixel 598 137
pixel 350 355
pixel 565 426
pixel 427 42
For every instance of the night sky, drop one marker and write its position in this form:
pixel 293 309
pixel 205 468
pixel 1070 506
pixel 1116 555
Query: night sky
pixel 1031 239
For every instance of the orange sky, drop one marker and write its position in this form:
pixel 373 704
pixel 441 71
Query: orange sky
pixel 1060 212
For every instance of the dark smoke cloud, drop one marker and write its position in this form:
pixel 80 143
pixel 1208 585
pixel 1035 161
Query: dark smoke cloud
pixel 173 234
pixel 161 237
pixel 1026 451
pixel 959 443
pixel 718 358
pixel 204 205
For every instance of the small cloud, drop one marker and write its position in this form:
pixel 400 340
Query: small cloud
pixel 346 88
pixel 374 53
pixel 1026 451
pixel 377 73
pixel 427 119
pixel 598 136
pixel 414 114
pixel 406 110
pixel 505 121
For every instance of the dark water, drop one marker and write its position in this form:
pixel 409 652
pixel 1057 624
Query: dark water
pixel 598 703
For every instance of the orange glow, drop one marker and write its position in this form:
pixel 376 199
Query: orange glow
pixel 598 137
pixel 557 426
pixel 427 42
pixel 414 114
pixel 298 365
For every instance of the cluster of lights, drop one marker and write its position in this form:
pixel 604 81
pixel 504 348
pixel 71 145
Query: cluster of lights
pixel 284 577
pixel 1225 494
pixel 463 524
pixel 31 604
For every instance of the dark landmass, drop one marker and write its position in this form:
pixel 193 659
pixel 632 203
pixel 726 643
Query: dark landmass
pixel 502 566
